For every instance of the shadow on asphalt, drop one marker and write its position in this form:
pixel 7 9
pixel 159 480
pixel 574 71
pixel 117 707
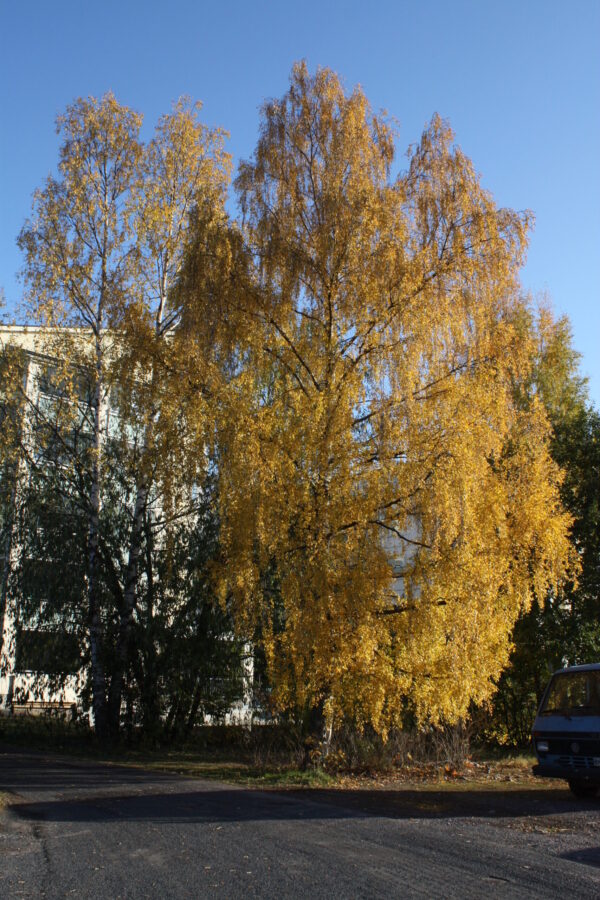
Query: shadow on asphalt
pixel 590 856
pixel 223 805
pixel 114 793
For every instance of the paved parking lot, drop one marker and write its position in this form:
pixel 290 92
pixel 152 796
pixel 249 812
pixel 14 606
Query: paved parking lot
pixel 74 829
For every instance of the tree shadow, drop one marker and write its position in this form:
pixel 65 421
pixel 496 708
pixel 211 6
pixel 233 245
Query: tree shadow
pixel 460 802
pixel 115 793
pixel 589 856
pixel 225 805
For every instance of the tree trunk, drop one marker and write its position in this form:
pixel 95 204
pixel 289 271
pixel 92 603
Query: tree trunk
pixel 131 578
pixel 95 621
pixel 8 540
pixel 126 618
pixel 135 543
pixel 196 700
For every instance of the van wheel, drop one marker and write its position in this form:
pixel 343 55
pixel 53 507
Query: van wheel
pixel 582 790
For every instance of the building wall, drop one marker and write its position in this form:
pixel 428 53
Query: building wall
pixel 21 688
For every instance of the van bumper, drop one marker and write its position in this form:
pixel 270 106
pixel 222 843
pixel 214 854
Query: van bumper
pixel 548 770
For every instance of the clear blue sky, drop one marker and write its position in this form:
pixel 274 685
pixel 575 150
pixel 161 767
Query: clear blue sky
pixel 519 81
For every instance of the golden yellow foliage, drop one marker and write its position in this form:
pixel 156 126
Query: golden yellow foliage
pixel 372 414
pixel 103 252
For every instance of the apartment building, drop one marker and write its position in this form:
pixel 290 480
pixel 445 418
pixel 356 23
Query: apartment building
pixel 40 662
pixel 28 655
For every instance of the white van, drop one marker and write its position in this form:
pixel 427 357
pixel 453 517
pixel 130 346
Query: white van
pixel 566 732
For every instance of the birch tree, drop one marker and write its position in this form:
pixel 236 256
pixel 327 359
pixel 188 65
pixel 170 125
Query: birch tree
pixel 102 249
pixel 379 435
pixel 183 175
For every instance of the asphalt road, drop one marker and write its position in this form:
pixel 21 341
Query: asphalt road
pixel 96 831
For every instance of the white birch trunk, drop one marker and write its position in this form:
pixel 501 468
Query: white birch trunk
pixel 135 542
pixel 95 621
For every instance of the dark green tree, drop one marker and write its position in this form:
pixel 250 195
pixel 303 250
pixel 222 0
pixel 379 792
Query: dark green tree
pixel 563 628
pixel 182 660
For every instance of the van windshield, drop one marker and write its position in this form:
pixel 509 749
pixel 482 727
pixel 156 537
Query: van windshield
pixel 573 694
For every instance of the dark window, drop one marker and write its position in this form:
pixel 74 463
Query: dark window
pixel 50 652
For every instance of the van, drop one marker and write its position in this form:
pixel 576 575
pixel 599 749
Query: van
pixel 566 731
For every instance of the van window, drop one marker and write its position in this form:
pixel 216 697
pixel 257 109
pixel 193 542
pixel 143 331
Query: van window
pixel 573 694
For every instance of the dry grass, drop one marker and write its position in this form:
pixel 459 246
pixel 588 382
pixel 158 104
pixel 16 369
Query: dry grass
pixel 272 758
pixel 485 775
pixel 515 772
